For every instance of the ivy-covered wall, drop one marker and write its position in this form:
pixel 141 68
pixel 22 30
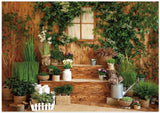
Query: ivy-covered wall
pixel 115 21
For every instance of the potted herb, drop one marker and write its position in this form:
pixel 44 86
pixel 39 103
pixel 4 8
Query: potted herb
pixel 56 74
pixel 110 63
pixel 102 73
pixel 43 76
pixel 141 77
pixel 136 104
pixel 63 94
pixel 93 62
pixel 56 56
pixel 45 39
pixel 20 89
pixel 51 68
pixel 68 56
pixel 67 75
pixel 125 101
pixel 146 90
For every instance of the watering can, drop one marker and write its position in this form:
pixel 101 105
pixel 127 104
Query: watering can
pixel 117 90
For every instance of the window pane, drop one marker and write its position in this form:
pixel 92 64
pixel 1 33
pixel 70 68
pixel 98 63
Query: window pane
pixel 87 31
pixel 87 17
pixel 74 31
pixel 76 20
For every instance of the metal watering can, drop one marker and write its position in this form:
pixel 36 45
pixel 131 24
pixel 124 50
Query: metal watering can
pixel 117 90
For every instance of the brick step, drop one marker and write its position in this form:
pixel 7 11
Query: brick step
pixel 85 91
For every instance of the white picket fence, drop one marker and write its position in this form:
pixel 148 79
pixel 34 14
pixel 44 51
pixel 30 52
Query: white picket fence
pixel 42 106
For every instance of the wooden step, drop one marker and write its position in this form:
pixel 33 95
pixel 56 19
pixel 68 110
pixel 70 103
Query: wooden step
pixel 85 91
pixel 80 71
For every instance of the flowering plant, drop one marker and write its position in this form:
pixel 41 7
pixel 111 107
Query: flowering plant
pixel 67 64
pixel 136 102
pixel 68 56
pixel 46 40
pixel 102 71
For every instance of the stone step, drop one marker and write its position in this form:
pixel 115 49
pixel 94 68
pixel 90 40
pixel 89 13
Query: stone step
pixel 85 91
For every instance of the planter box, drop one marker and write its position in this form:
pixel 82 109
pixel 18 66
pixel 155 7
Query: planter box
pixel 60 100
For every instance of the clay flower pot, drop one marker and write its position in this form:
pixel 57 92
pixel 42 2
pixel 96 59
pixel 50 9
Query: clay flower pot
pixel 19 99
pixel 55 77
pixel 137 107
pixel 43 78
pixel 124 103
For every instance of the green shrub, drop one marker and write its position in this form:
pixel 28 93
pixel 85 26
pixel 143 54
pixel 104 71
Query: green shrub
pixel 22 88
pixel 146 90
pixel 56 71
pixel 51 67
pixel 111 61
pixel 126 99
pixel 57 54
pixel 43 74
pixel 42 98
pixel 127 70
pixel 65 89
pixel 141 75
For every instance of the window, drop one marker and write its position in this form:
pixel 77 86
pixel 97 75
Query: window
pixel 83 26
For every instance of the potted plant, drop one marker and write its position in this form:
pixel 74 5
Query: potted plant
pixel 141 77
pixel 56 74
pixel 102 73
pixel 110 63
pixel 125 101
pixel 104 53
pixel 68 56
pixel 43 76
pixel 45 39
pixel 136 104
pixel 67 75
pixel 145 90
pixel 63 94
pixel 93 62
pixel 7 88
pixel 20 89
pixel 56 56
pixel 51 68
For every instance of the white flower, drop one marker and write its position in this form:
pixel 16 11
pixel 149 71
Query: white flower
pixel 49 42
pixel 49 38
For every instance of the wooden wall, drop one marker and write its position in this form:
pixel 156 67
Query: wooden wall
pixel 81 55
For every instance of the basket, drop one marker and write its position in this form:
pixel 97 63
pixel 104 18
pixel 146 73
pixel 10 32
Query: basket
pixel 125 103
pixel 61 100
pixel 43 78
pixel 6 93
pixel 19 99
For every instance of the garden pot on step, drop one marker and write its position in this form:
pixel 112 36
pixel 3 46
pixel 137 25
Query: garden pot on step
pixel 124 103
pixel 145 103
pixel 67 75
pixel 43 78
pixel 110 66
pixel 19 99
pixel 137 107
pixel 46 60
pixel 55 77
pixel 93 62
pixel 101 77
pixel 6 93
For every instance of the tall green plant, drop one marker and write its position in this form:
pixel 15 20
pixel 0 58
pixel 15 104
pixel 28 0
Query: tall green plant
pixel 26 71
pixel 127 70
pixel 28 54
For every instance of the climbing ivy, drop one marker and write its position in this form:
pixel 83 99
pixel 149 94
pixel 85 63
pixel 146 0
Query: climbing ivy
pixel 113 23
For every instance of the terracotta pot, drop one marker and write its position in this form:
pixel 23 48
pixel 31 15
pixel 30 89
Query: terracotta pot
pixel 46 60
pixel 43 78
pixel 137 107
pixel 55 77
pixel 19 99
pixel 6 93
pixel 125 103
pixel 110 66
pixel 145 103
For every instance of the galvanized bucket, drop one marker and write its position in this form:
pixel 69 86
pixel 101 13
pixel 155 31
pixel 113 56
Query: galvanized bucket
pixel 93 62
